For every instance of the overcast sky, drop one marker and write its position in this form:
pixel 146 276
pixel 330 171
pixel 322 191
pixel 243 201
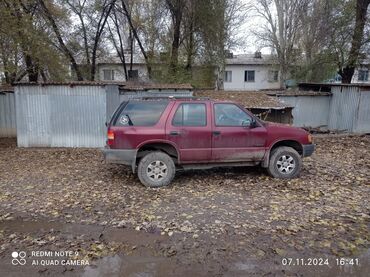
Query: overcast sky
pixel 253 22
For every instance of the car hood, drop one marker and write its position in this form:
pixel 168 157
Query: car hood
pixel 285 130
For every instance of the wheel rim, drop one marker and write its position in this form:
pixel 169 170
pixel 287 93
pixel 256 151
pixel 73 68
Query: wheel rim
pixel 156 171
pixel 285 164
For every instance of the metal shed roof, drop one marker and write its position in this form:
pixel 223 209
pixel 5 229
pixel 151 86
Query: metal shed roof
pixel 122 85
pixel 251 100
pixel 6 88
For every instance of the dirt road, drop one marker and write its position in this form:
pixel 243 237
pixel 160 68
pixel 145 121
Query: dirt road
pixel 224 222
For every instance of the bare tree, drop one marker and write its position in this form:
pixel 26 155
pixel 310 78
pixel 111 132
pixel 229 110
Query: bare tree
pixel 348 68
pixel 78 7
pixel 281 30
pixel 176 8
pixel 119 42
pixel 106 8
pixel 126 12
pixel 58 34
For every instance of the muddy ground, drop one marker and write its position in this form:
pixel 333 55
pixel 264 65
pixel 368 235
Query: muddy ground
pixel 224 222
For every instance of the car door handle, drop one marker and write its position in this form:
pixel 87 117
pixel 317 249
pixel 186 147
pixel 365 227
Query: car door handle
pixel 174 133
pixel 216 133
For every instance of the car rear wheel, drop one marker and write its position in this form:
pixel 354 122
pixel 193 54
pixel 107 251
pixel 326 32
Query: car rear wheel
pixel 156 169
pixel 285 163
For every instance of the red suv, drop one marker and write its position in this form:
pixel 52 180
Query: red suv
pixel 156 136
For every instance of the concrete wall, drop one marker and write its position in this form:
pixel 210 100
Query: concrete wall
pixel 261 78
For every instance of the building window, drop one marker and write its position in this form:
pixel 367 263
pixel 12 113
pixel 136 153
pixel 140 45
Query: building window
pixel 273 75
pixel 133 74
pixel 363 75
pixel 228 76
pixel 249 76
pixel 108 74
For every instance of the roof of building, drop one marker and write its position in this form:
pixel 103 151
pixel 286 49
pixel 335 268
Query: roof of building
pixel 251 59
pixel 122 85
pixel 6 88
pixel 137 59
pixel 296 92
pixel 250 100
pixel 326 87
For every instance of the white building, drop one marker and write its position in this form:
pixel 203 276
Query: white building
pixel 251 72
pixel 113 70
pixel 361 74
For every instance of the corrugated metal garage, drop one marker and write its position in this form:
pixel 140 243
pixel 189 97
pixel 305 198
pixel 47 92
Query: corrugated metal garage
pixel 72 114
pixel 8 127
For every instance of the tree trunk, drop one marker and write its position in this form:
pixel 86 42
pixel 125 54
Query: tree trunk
pixel 102 21
pixel 347 72
pixel 120 50
pixel 134 32
pixel 176 12
pixel 32 69
pixel 66 51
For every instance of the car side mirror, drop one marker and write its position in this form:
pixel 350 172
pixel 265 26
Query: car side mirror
pixel 253 123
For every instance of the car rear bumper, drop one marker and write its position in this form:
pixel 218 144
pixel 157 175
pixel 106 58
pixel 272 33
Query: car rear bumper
pixel 308 149
pixel 119 156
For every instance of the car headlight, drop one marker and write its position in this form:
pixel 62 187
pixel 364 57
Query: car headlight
pixel 309 138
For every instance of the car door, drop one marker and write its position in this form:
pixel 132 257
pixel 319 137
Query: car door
pixel 234 137
pixel 189 127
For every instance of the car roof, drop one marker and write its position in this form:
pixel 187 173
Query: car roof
pixel 180 99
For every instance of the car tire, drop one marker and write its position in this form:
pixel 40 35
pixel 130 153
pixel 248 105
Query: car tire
pixel 156 169
pixel 285 163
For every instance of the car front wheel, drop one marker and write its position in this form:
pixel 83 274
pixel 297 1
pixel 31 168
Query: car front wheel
pixel 285 163
pixel 156 169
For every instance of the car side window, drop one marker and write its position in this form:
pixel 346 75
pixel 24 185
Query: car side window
pixel 190 114
pixel 141 113
pixel 231 115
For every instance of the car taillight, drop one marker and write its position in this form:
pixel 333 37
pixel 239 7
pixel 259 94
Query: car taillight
pixel 110 136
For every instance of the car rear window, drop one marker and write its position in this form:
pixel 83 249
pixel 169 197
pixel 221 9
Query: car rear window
pixel 141 113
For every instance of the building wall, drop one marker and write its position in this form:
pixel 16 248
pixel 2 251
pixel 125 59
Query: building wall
pixel 119 73
pixel 261 78
pixel 355 76
pixel 7 115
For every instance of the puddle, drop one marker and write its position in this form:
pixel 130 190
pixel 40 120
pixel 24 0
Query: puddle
pixel 130 267
pixel 96 232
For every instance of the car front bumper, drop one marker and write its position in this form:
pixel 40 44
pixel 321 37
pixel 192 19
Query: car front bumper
pixel 308 149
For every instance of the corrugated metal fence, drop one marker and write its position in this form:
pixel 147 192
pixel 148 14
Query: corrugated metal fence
pixel 347 109
pixel 309 111
pixel 69 116
pixel 8 126
pixel 61 116
pixel 350 109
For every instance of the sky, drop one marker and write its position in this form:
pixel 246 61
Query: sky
pixel 253 22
